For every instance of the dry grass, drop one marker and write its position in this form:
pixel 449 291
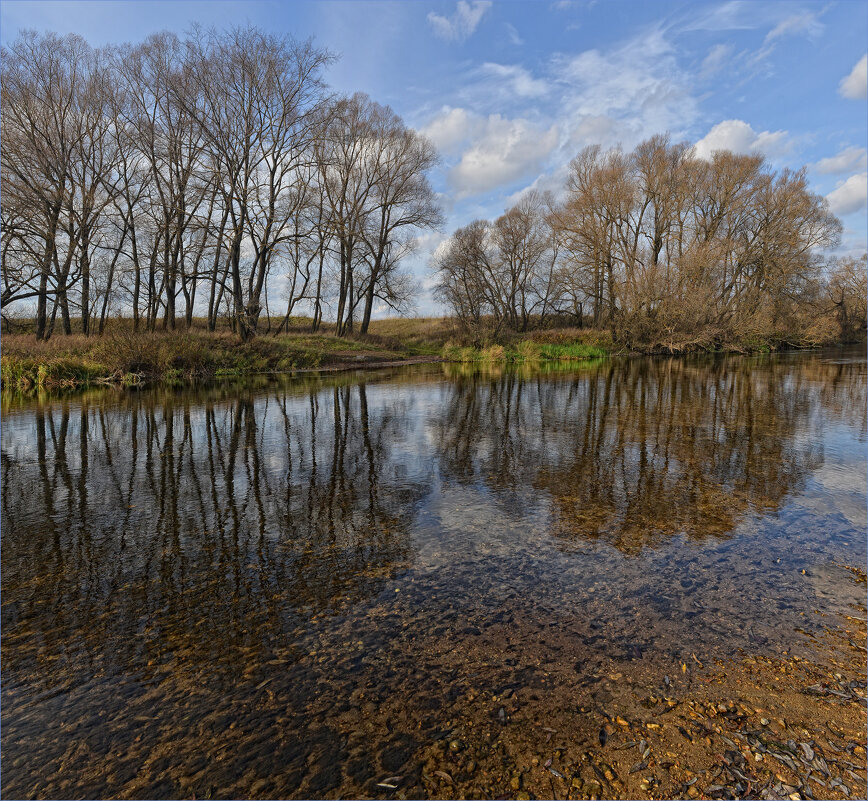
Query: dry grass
pixel 128 357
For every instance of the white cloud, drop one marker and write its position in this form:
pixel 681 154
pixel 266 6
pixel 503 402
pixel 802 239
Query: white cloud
pixel 462 23
pixel 512 32
pixel 735 15
pixel 739 137
pixel 619 96
pixel 805 24
pixel 514 80
pixel 451 128
pixel 553 183
pixel 494 150
pixel 638 86
pixel 855 85
pixel 848 160
pixel 850 196
pixel 716 59
pixel 506 150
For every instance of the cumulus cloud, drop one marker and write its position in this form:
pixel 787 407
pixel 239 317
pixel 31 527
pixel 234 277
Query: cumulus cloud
pixel 850 196
pixel 604 97
pixel 460 25
pixel 848 160
pixel 450 128
pixel 492 151
pixel 739 137
pixel 855 85
pixel 506 150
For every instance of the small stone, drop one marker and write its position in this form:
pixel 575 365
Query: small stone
pixel 764 721
pixel 522 796
pixel 455 745
pixel 692 791
pixel 534 761
pixel 515 782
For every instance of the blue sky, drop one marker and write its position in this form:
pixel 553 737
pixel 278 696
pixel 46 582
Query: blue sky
pixel 510 91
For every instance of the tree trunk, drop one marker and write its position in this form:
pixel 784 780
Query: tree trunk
pixel 369 305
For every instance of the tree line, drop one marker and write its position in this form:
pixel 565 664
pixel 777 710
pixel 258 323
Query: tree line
pixel 659 246
pixel 181 174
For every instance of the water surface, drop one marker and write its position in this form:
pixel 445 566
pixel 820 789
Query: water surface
pixel 288 588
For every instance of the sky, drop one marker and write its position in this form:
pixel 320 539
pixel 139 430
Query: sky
pixel 510 91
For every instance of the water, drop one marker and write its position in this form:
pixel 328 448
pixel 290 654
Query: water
pixel 293 588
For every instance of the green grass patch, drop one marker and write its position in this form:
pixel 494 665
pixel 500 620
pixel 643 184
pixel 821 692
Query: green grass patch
pixel 26 373
pixel 525 351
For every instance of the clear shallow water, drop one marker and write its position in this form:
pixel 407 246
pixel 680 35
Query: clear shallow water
pixel 220 590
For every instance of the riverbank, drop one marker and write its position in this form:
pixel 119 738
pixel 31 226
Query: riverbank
pixel 131 359
pixel 126 358
pixel 134 359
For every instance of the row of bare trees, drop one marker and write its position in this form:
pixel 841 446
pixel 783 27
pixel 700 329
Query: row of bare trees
pixel 184 176
pixel 658 245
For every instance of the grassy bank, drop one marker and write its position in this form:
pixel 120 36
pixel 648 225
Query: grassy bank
pixel 124 357
pixel 525 351
pixel 127 358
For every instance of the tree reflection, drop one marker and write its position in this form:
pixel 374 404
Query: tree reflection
pixel 635 452
pixel 194 528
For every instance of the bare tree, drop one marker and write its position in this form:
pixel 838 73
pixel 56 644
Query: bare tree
pixel 41 77
pixel 254 98
pixel 662 247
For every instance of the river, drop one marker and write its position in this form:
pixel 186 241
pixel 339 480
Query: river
pixel 423 578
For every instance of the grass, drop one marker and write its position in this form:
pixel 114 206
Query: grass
pixel 554 345
pixel 126 358
pixel 525 352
